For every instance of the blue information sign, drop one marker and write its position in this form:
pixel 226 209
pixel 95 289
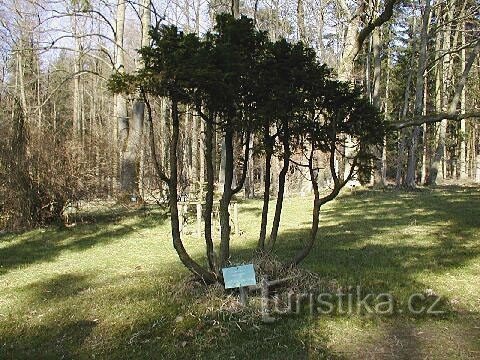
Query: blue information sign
pixel 239 276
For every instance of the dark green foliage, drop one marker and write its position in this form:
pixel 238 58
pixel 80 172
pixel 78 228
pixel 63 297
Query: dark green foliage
pixel 238 74
pixel 242 83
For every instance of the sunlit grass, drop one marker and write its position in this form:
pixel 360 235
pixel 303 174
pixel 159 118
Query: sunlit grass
pixel 110 287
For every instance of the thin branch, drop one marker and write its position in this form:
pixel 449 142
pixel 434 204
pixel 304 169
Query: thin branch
pixel 434 118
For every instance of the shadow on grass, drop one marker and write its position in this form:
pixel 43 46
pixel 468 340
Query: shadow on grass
pixel 364 239
pixel 43 245
pixel 49 341
pixel 59 287
pixel 390 241
pixel 136 316
pixel 373 236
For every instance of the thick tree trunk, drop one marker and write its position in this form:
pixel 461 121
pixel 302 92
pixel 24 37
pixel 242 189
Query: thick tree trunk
pixel 353 42
pixel 236 8
pixel 131 155
pixel 354 38
pixel 129 165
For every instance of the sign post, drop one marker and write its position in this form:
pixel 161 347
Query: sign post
pixel 239 277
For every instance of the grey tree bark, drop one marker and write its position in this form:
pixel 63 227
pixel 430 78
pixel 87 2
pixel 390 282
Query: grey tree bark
pixel 129 161
pixel 120 112
pixel 437 169
pixel 452 107
pixel 379 172
pixel 302 32
pixel 77 110
pixel 399 176
pixel 463 143
pixel 354 38
pixel 418 106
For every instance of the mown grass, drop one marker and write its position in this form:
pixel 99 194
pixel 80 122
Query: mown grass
pixel 114 287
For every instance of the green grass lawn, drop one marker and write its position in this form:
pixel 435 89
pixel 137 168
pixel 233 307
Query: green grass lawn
pixel 113 286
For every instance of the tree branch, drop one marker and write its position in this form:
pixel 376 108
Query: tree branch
pixel 379 21
pixel 433 118
pixel 452 113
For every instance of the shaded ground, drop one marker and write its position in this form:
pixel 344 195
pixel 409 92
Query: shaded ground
pixel 110 288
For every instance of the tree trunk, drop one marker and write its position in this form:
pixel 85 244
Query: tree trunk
pixel 317 203
pixel 281 191
pixel 226 199
pixel 129 165
pixel 355 35
pixel 423 174
pixel 77 110
pixel 201 155
pixel 320 26
pixel 378 178
pixel 438 100
pixel 422 59
pixel 476 151
pixel 463 141
pixel 209 149
pixel 129 161
pixel 399 177
pixel 302 33
pixel 21 83
pixel 120 112
pixel 438 167
pixel 453 106
pixel 249 181
pixel 189 263
pixel 236 8
pixel 194 155
pixel 266 196
pixel 386 110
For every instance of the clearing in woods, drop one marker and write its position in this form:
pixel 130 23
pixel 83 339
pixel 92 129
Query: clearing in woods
pixel 113 286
